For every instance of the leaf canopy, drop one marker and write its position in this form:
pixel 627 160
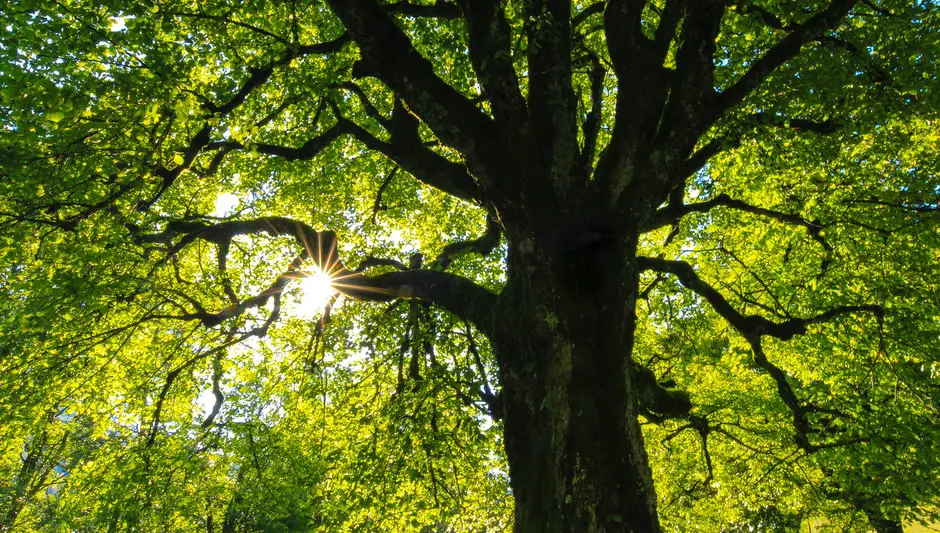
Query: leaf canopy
pixel 158 373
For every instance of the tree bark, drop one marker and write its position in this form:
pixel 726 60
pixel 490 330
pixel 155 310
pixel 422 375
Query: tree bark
pixel 563 340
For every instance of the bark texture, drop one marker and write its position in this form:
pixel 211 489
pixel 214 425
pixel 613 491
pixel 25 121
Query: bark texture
pixel 576 454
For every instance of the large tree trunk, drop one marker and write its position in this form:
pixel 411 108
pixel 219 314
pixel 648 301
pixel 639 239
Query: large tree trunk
pixel 564 341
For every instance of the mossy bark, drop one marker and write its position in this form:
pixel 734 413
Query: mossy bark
pixel 564 342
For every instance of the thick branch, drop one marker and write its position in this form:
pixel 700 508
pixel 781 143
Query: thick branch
pixel 659 400
pixel 491 55
pixel 750 326
pixel 388 55
pixel 666 30
pixel 453 293
pixel 421 162
pixel 592 123
pixel 552 103
pixel 482 245
pixel 687 113
pixel 625 40
pixel 641 95
pixel 701 156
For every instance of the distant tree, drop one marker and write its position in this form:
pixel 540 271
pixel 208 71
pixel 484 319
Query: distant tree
pixel 602 266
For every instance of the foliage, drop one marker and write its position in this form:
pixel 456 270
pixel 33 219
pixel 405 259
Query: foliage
pixel 155 375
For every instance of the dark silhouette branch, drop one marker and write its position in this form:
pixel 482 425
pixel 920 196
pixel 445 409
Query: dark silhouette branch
pixel 427 166
pixel 594 9
pixel 750 326
pixel 308 150
pixel 782 52
pixel 226 20
pixel 673 212
pixel 377 205
pixel 687 112
pixel 373 262
pixel 666 29
pixel 700 157
pixel 202 139
pixel 482 245
pixel 754 327
pixel 456 294
pixel 216 391
pixel 491 56
pixel 260 75
pixel 367 104
pixel 388 55
pixel 592 123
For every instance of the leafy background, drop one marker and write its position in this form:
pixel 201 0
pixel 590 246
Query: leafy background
pixel 372 420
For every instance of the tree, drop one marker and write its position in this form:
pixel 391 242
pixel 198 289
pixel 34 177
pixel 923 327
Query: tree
pixel 572 224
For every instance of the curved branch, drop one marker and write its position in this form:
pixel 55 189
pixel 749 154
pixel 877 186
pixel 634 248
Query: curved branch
pixel 673 212
pixel 367 104
pixel 800 421
pixel 482 245
pixel 226 20
pixel 700 157
pixel 453 293
pixel 666 29
pixel 754 327
pixel 456 294
pixel 687 113
pixel 428 167
pixel 594 9
pixel 750 326
pixel 592 122
pixel 491 55
pixel 404 148
pixel 780 53
pixel 258 76
pixel 388 55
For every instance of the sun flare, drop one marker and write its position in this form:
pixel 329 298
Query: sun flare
pixel 316 289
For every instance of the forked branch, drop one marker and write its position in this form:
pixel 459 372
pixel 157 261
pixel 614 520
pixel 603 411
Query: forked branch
pixel 456 294
pixel 675 211
pixel 782 52
pixel 750 326
pixel 754 327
